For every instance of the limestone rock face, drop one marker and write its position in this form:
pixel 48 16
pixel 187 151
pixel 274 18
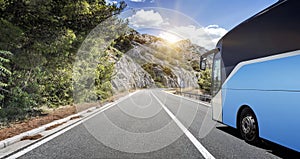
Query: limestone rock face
pixel 152 62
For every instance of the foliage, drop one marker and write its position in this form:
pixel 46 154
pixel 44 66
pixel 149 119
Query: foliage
pixel 148 67
pixel 4 71
pixel 205 80
pixel 122 43
pixel 157 73
pixel 160 85
pixel 168 71
pixel 93 70
pixel 104 74
pixel 195 65
pixel 44 36
pixel 11 35
pixel 4 60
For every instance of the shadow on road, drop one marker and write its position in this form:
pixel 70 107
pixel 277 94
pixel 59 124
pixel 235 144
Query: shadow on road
pixel 270 147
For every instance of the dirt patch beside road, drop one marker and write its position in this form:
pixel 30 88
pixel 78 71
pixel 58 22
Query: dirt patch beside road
pixel 29 124
pixel 52 114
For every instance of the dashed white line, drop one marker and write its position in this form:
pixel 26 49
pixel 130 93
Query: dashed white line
pixel 192 138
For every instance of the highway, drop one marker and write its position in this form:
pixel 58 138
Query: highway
pixel 153 124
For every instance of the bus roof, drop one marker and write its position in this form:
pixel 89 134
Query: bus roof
pixel 272 31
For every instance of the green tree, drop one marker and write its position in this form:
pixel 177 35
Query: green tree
pixel 4 71
pixel 205 80
pixel 44 36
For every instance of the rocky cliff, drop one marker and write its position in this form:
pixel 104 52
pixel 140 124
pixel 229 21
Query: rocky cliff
pixel 130 75
pixel 149 62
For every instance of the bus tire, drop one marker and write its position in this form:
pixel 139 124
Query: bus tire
pixel 248 126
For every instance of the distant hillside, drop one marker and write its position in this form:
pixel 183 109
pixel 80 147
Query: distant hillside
pixel 148 61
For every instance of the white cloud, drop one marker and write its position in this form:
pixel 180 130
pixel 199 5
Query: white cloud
pixel 215 32
pixel 195 34
pixel 203 36
pixel 144 18
pixel 110 2
pixel 137 0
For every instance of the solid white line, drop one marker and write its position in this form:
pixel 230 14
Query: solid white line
pixel 192 100
pixel 192 138
pixel 31 147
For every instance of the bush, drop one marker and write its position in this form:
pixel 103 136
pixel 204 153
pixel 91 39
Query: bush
pixel 205 80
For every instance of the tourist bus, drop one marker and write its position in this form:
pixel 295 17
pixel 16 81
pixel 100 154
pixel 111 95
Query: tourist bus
pixel 256 76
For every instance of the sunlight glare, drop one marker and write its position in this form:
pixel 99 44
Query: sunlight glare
pixel 171 38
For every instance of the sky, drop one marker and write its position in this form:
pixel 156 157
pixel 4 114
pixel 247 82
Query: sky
pixel 203 22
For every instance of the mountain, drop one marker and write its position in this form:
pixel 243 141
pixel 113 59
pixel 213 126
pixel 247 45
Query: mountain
pixel 148 62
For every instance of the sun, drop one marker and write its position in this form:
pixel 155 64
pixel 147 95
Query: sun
pixel 171 38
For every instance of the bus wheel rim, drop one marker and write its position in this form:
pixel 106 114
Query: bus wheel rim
pixel 248 127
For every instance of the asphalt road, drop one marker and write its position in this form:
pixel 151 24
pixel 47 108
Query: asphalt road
pixel 154 124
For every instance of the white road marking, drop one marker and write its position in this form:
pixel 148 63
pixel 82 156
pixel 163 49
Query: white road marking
pixel 31 147
pixel 192 138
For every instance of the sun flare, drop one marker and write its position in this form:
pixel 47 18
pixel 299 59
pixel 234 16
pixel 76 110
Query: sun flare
pixel 171 38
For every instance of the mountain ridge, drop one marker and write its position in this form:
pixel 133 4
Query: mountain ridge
pixel 149 62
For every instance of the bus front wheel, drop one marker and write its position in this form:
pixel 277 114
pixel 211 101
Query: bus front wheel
pixel 248 126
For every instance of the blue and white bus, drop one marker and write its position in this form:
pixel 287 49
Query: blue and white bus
pixel 256 76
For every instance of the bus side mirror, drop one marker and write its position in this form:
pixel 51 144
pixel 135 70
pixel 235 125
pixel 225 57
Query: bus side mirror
pixel 202 63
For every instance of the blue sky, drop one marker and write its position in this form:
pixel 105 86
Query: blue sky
pixel 204 22
pixel 225 13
